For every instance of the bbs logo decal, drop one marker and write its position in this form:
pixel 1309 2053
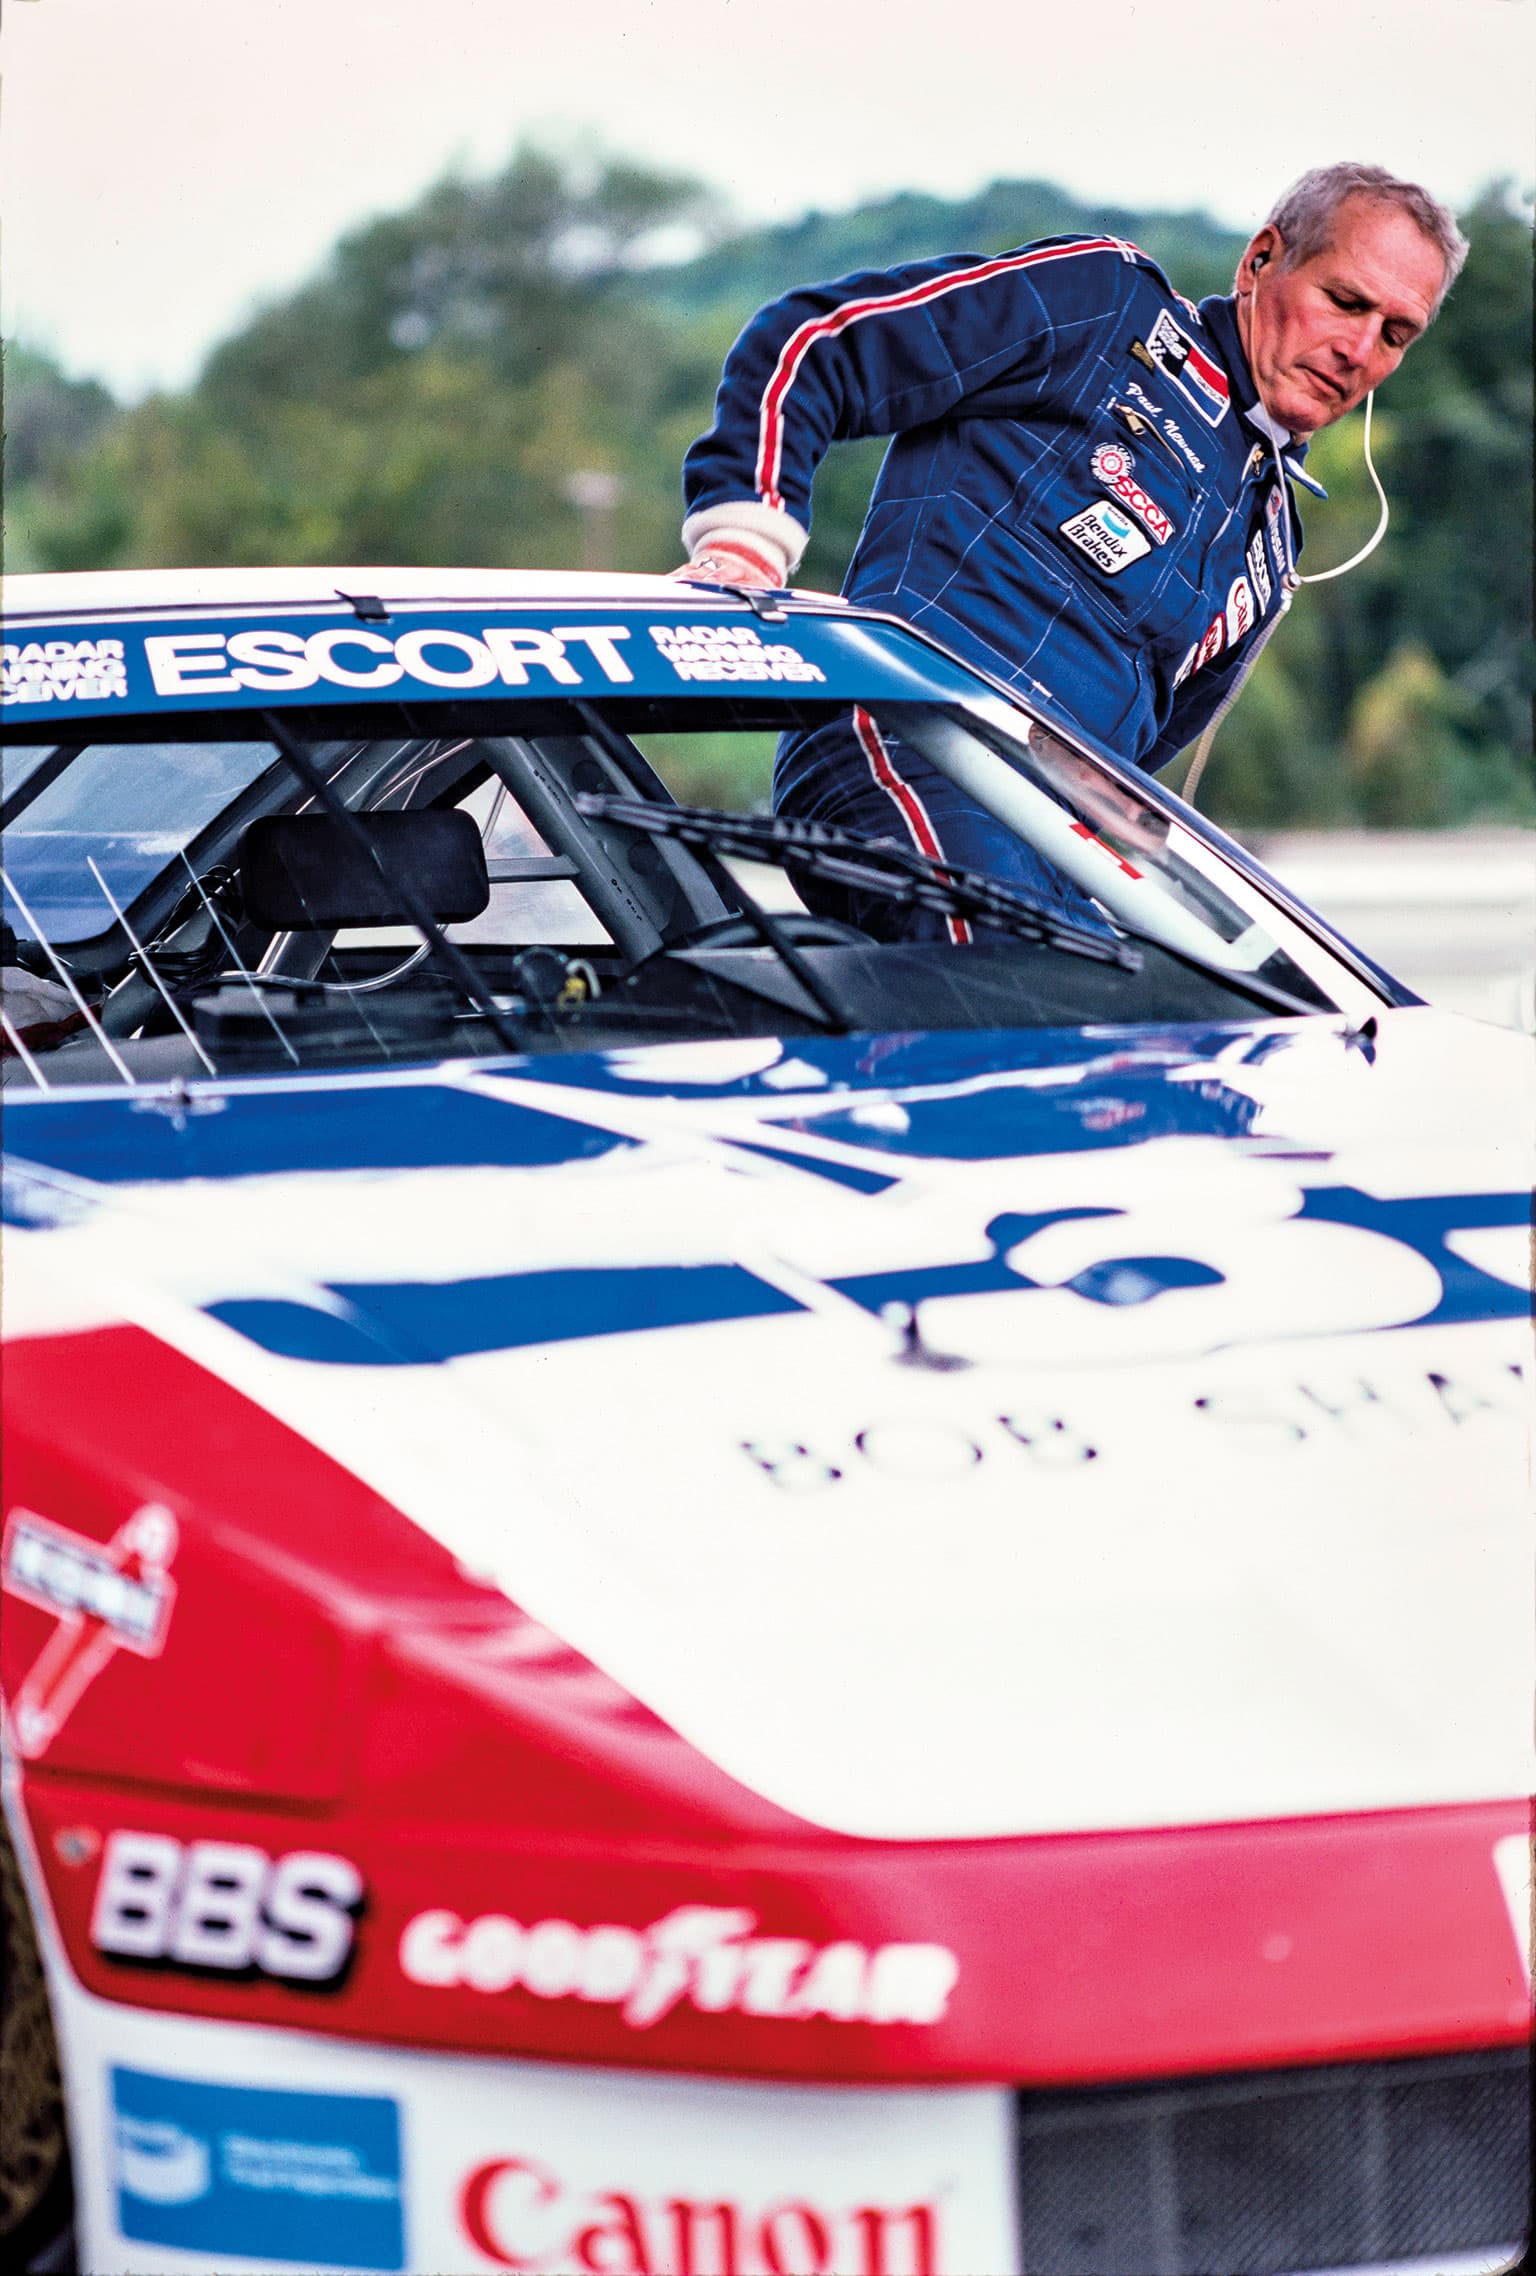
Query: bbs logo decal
pixel 1108 536
pixel 1202 380
pixel 227 1906
pixel 1113 465
pixel 1258 570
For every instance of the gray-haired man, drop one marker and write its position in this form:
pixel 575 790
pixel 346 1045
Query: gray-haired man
pixel 1089 493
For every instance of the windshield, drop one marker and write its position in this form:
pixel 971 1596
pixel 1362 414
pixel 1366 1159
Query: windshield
pixel 473 892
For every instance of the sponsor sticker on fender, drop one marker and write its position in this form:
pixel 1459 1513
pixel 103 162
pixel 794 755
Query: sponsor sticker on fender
pixel 1191 370
pixel 563 2172
pixel 1113 466
pixel 107 1596
pixel 262 2173
pixel 226 1906
pixel 1107 535
pixel 705 1956
pixel 521 2212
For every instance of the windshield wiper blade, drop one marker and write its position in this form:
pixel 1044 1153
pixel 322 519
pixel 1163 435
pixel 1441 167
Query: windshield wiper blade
pixel 893 872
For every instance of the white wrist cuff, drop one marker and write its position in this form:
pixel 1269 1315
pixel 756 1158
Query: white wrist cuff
pixel 775 535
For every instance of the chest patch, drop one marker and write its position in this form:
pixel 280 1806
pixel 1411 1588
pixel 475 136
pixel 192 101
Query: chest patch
pixel 1169 349
pixel 1258 570
pixel 1107 534
pixel 1114 467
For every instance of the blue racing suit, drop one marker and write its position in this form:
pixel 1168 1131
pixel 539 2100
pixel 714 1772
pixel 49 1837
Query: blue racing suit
pixel 1083 496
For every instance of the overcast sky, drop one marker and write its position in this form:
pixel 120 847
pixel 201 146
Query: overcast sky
pixel 165 165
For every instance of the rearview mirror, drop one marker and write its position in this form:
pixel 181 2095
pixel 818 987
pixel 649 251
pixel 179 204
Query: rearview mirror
pixel 309 873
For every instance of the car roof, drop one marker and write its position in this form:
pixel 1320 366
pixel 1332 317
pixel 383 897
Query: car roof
pixel 84 591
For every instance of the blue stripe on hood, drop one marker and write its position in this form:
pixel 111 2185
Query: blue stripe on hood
pixel 383 1126
pixel 419 1322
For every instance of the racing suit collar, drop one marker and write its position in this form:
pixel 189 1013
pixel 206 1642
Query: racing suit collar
pixel 1219 316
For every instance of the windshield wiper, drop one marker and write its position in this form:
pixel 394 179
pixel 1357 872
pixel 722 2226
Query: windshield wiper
pixel 891 872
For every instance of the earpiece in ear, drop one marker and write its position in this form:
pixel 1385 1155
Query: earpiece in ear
pixel 1259 260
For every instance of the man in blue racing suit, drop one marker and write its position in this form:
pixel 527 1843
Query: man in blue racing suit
pixel 1089 492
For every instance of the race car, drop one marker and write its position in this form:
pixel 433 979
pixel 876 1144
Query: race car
pixel 690 1591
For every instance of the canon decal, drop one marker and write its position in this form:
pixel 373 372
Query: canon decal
pixel 704 1956
pixel 520 2214
pixel 227 1906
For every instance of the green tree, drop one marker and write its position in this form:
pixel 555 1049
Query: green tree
pixel 430 394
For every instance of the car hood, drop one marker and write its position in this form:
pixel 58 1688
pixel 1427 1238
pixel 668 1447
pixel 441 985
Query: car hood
pixel 949 1435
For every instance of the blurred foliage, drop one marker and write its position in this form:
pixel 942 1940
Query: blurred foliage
pixel 430 395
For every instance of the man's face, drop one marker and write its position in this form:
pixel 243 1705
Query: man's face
pixel 1320 336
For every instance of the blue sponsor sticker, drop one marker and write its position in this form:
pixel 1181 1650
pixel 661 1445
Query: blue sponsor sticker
pixel 263 2173
pixel 61 672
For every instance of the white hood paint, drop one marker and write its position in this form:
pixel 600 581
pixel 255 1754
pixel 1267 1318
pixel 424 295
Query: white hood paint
pixel 1293 1577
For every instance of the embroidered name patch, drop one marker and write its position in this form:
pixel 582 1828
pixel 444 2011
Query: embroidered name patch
pixel 1107 535
pixel 1163 424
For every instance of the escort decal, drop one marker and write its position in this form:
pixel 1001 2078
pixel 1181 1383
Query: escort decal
pixel 1166 426
pixel 108 1596
pixel 260 2172
pixel 706 1955
pixel 1171 351
pixel 1110 538
pixel 1113 466
pixel 235 664
pixel 226 1906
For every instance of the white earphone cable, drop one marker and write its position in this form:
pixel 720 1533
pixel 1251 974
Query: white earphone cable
pixel 1293 576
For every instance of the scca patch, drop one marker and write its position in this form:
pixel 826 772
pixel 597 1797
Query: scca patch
pixel 1171 351
pixel 1108 536
pixel 1114 465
